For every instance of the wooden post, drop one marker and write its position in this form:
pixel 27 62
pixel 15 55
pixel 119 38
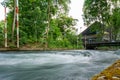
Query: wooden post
pixel 85 41
pixel 17 23
pixel 77 41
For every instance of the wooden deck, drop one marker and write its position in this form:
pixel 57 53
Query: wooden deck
pixel 93 45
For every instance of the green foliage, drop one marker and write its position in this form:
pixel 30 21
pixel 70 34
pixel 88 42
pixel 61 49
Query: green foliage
pixel 1 33
pixel 115 22
pixel 95 10
pixel 36 16
pixel 104 12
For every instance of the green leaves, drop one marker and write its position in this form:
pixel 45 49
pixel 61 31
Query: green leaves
pixel 106 12
pixel 32 0
pixel 36 15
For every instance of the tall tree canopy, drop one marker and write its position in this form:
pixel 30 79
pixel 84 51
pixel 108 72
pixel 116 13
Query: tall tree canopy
pixel 104 11
pixel 41 19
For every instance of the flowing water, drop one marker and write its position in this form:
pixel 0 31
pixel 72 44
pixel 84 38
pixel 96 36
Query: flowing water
pixel 54 65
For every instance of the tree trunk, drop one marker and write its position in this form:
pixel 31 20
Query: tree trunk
pixel 47 33
pixel 13 24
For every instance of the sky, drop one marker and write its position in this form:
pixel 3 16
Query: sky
pixel 75 11
pixel 1 11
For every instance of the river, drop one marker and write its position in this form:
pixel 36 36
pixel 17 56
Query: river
pixel 54 65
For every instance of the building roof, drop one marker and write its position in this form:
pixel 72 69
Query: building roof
pixel 92 29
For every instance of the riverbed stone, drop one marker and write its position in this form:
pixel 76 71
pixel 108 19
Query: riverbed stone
pixel 110 73
pixel 115 78
pixel 102 78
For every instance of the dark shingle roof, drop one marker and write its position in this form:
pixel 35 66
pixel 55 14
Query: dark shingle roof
pixel 92 29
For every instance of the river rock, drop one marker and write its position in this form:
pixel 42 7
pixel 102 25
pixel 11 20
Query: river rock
pixel 110 73
pixel 115 78
pixel 102 78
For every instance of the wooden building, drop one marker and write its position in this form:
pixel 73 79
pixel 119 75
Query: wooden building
pixel 93 34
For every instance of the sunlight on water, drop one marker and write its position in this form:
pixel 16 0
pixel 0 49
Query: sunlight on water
pixel 54 65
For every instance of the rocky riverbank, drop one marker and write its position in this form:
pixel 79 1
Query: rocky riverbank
pixel 110 73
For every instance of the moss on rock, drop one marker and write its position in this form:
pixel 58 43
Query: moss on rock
pixel 111 73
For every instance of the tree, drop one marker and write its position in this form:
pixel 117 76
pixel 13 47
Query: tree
pixel 1 33
pixel 103 11
pixel 96 10
pixel 42 21
pixel 115 23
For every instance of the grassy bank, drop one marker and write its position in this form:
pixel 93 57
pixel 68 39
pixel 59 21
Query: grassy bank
pixel 34 49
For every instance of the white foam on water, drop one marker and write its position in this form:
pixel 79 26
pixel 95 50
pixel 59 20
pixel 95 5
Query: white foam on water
pixel 56 58
pixel 82 63
pixel 40 59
